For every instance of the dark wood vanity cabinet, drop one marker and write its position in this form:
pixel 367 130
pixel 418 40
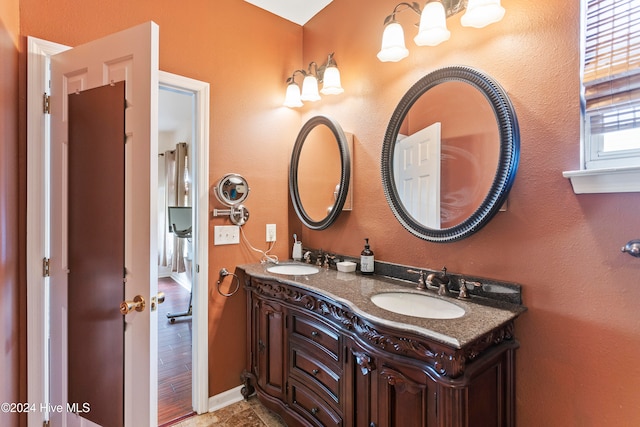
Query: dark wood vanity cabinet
pixel 389 393
pixel 317 363
pixel 269 347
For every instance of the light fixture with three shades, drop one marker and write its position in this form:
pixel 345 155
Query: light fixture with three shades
pixel 433 23
pixel 327 74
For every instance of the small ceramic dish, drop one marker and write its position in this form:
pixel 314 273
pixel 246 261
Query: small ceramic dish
pixel 346 266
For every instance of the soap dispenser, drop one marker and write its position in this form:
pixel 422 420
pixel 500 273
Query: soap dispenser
pixel 366 259
pixel 297 249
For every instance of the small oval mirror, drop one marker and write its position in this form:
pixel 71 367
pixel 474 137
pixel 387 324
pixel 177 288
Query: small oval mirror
pixel 320 160
pixel 232 189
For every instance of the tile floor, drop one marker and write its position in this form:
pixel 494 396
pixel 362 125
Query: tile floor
pixel 246 413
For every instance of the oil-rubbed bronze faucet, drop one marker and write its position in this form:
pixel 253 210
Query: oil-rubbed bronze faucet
pixel 463 294
pixel 307 257
pixel 440 280
pixel 421 283
pixel 327 260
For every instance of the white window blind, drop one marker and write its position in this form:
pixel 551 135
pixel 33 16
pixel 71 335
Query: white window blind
pixel 611 73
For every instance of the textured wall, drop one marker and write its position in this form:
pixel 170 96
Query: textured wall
pixel 579 339
pixel 245 54
pixel 580 336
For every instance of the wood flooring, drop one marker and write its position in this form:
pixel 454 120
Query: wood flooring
pixel 174 354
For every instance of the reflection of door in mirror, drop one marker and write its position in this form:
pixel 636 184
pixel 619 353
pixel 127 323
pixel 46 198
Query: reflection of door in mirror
pixel 318 172
pixel 470 146
pixel 416 169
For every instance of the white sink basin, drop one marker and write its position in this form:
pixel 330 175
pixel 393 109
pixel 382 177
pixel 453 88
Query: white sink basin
pixel 417 305
pixel 293 269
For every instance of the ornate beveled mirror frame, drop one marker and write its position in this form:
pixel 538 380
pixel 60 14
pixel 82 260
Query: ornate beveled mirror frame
pixel 508 156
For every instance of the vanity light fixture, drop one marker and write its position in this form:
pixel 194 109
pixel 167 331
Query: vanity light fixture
pixel 481 13
pixel 433 23
pixel 327 74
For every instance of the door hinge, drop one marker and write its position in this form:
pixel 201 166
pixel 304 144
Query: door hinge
pixel 45 267
pixel 46 103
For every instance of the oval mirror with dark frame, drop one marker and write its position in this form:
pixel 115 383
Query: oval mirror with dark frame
pixel 320 172
pixel 450 154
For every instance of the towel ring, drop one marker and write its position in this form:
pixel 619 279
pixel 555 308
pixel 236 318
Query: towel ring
pixel 224 273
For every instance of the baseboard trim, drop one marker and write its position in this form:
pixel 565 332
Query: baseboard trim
pixel 225 398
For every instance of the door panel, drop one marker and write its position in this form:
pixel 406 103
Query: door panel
pixel 96 253
pixel 417 166
pixel 131 56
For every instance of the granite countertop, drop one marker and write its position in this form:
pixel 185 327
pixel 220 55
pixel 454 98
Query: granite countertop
pixel 354 290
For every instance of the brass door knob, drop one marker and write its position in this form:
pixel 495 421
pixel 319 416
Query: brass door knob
pixel 158 299
pixel 137 304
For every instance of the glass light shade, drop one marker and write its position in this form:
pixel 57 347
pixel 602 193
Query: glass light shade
pixel 393 48
pixel 310 89
pixel 481 13
pixel 292 98
pixel 433 25
pixel 331 81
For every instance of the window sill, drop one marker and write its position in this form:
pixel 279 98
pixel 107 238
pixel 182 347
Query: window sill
pixel 611 180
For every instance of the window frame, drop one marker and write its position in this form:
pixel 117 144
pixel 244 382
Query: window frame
pixel 600 172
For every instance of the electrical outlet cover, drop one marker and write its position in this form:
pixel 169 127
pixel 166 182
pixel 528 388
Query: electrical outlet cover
pixel 271 233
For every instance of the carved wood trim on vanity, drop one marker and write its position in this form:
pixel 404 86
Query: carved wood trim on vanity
pixel 445 360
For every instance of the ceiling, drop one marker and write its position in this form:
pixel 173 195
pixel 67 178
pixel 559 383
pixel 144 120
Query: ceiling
pixel 297 11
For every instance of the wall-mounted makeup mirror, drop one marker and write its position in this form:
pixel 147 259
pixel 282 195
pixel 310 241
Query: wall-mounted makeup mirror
pixel 450 154
pixel 231 190
pixel 320 172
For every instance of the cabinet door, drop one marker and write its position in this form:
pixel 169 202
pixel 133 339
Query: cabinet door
pixel 270 347
pixel 361 388
pixel 406 397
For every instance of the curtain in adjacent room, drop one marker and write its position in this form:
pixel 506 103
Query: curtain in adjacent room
pixel 176 189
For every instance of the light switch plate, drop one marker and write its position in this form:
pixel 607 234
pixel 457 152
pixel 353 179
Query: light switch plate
pixel 226 235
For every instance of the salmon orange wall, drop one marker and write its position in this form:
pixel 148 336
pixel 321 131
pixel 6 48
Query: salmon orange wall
pixel 581 336
pixel 11 351
pixel 245 54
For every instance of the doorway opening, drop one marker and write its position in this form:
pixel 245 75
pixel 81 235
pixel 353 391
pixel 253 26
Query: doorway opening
pixel 176 129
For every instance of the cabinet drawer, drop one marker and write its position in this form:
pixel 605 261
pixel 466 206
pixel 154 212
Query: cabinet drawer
pixel 318 371
pixel 318 332
pixel 312 407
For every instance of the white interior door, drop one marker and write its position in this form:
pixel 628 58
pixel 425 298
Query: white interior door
pixel 130 56
pixel 417 174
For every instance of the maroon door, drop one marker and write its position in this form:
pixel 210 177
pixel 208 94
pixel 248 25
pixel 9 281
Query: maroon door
pixel 96 185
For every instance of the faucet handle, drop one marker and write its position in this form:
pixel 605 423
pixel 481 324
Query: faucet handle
pixel 421 282
pixel 327 260
pixel 464 294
